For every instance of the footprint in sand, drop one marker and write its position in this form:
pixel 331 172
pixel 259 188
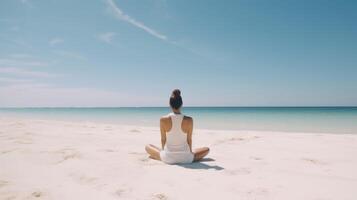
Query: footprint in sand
pixel 314 161
pixel 7 151
pixel 67 154
pixel 256 158
pixel 37 194
pixel 109 150
pixel 83 179
pixel 135 131
pixel 86 179
pixel 160 196
pixel 144 159
pixel 122 191
pixel 236 139
pixel 3 183
pixel 24 141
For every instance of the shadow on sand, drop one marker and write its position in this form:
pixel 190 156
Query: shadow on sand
pixel 202 165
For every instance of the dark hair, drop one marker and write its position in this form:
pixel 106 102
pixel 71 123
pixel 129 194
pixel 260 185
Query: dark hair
pixel 176 99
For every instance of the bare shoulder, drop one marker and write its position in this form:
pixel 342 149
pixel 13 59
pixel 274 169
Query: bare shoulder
pixel 164 119
pixel 188 119
pixel 187 124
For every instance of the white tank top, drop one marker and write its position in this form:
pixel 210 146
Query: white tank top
pixel 176 149
pixel 176 139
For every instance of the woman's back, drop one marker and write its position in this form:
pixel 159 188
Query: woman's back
pixel 176 149
pixel 176 139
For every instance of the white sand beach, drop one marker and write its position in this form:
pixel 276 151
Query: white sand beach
pixel 43 159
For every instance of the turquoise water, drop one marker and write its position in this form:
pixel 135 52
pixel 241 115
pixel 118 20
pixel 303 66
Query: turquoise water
pixel 292 119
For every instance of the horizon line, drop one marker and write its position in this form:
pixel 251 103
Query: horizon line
pixel 68 107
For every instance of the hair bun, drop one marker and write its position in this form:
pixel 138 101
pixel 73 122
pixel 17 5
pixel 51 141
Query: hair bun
pixel 176 93
pixel 176 99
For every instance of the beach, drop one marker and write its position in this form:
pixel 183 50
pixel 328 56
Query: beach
pixel 269 89
pixel 56 159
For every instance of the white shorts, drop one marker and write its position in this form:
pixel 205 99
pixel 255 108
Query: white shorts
pixel 176 157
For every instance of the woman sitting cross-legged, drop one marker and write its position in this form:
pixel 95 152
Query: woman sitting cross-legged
pixel 176 136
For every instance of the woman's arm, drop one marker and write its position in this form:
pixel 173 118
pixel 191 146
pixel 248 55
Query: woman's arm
pixel 189 133
pixel 163 132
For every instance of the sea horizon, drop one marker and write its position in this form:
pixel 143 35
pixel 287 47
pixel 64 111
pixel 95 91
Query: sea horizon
pixel 323 106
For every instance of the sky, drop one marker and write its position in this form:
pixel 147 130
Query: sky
pixel 219 53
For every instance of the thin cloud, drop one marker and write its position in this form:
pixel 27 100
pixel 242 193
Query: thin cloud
pixel 119 14
pixel 45 95
pixel 25 72
pixel 23 63
pixel 107 37
pixel 14 80
pixel 56 41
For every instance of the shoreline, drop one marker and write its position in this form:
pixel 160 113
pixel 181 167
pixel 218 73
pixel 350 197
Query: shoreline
pixel 157 127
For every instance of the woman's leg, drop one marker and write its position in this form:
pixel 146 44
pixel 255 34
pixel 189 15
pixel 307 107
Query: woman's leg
pixel 153 151
pixel 200 153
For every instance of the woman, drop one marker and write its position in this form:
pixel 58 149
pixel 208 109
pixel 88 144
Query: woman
pixel 176 136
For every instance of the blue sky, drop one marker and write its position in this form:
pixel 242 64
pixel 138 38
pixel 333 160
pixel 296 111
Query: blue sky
pixel 219 53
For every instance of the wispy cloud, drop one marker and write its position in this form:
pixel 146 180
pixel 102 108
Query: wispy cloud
pixel 119 14
pixel 55 41
pixel 25 72
pixel 14 80
pixel 42 95
pixel 21 62
pixel 107 37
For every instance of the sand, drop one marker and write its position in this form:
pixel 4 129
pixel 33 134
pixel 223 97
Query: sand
pixel 44 159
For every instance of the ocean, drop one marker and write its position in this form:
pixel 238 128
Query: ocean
pixel 287 119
